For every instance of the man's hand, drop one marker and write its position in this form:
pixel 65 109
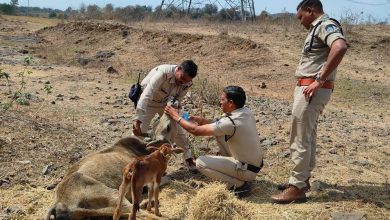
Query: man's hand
pixel 137 128
pixel 311 89
pixel 172 112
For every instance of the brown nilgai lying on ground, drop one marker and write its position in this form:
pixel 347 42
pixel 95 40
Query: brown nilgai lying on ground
pixel 90 187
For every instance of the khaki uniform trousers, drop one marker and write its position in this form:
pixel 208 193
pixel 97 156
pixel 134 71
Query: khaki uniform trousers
pixel 224 168
pixel 181 138
pixel 304 133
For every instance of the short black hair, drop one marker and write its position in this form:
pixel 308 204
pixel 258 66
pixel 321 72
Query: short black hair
pixel 310 4
pixel 236 94
pixel 189 67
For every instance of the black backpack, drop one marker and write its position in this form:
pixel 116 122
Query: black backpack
pixel 135 92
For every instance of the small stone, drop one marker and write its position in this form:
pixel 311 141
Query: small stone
pixel 23 51
pixel 51 186
pixel 75 98
pixel 333 151
pixel 286 154
pixel 125 33
pixel 24 161
pixel 266 143
pixel 111 70
pixel 46 169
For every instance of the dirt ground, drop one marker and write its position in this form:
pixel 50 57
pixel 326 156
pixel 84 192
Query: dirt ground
pixel 88 108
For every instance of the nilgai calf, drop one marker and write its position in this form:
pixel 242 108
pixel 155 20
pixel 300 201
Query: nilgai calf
pixel 143 171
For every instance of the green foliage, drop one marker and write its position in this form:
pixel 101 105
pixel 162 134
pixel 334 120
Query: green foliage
pixel 4 74
pixel 48 88
pixel 28 60
pixel 19 96
pixel 7 9
pixel 22 101
pixel 52 15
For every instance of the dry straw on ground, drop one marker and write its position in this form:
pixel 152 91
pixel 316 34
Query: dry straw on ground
pixel 215 202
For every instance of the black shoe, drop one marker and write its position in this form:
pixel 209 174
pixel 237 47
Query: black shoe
pixel 241 191
pixel 191 166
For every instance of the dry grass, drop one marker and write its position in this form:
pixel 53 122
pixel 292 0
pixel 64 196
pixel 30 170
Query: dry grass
pixel 215 202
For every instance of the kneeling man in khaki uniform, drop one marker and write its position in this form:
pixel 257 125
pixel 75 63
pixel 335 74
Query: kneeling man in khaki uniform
pixel 236 134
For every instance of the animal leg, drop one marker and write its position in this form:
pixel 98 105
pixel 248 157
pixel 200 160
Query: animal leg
pixel 123 189
pixel 150 195
pixel 156 191
pixel 136 193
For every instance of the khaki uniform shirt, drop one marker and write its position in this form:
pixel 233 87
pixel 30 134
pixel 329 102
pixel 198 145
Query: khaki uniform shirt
pixel 244 145
pixel 313 61
pixel 158 86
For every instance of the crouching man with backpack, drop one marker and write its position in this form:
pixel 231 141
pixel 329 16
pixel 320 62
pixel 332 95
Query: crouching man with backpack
pixel 164 82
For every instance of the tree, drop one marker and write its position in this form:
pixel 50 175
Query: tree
pixel 7 9
pixel 68 10
pixel 14 3
pixel 93 11
pixel 210 9
pixel 108 11
pixel 82 8
pixel 52 14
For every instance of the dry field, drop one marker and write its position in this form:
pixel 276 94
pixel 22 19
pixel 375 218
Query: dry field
pixel 87 110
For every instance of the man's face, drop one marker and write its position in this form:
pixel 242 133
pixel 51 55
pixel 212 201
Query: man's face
pixel 225 103
pixel 182 77
pixel 305 16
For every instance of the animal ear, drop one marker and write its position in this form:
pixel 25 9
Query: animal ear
pixel 156 143
pixel 177 150
pixel 151 148
pixel 129 175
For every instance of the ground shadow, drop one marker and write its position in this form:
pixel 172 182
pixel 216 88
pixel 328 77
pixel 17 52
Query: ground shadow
pixel 321 192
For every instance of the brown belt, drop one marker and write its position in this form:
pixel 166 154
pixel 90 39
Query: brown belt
pixel 307 81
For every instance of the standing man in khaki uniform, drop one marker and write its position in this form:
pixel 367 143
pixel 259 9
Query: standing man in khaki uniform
pixel 163 82
pixel 323 51
pixel 236 134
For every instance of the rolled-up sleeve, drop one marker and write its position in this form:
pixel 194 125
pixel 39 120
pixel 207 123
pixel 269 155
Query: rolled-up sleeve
pixel 330 32
pixel 223 127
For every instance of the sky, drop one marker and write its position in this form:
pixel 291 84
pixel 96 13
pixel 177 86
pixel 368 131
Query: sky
pixel 378 9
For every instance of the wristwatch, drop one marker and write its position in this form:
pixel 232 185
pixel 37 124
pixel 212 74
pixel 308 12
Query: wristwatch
pixel 319 80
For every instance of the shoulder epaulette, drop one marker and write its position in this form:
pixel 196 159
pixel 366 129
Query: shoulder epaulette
pixel 315 28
